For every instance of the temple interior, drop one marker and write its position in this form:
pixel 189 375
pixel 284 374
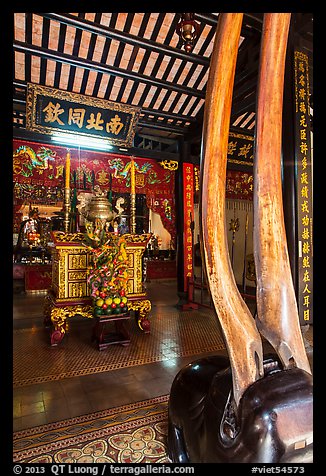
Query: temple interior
pixel 158 226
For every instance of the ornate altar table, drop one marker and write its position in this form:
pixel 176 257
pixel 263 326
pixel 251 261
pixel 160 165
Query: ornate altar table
pixel 69 294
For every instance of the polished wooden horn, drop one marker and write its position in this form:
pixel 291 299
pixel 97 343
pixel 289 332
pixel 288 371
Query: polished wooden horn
pixel 277 319
pixel 240 333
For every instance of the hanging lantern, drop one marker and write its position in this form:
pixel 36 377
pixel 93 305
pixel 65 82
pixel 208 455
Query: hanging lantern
pixel 187 29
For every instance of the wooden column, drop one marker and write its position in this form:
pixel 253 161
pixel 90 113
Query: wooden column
pixel 277 319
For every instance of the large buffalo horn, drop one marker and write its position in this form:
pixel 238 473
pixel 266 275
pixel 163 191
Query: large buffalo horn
pixel 242 338
pixel 278 319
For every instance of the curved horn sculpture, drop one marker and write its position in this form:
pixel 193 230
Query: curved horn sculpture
pixel 239 329
pixel 244 409
pixel 278 319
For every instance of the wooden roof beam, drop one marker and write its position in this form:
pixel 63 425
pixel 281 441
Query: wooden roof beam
pixel 134 40
pixel 103 68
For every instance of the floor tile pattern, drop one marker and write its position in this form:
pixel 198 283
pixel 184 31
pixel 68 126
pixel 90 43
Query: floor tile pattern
pixel 134 433
pixel 173 334
pixel 36 401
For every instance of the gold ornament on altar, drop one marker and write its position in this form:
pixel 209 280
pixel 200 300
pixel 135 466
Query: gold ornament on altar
pixel 95 208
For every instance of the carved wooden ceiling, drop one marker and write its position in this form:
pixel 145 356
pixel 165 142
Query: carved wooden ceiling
pixel 138 59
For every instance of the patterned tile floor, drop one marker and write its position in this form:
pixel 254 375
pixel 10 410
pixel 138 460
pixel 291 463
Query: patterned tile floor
pixel 134 433
pixel 173 334
pixel 50 401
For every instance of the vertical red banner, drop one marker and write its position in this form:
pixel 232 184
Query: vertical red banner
pixel 188 213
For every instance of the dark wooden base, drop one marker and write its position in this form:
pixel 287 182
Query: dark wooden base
pixel 272 424
pixel 118 334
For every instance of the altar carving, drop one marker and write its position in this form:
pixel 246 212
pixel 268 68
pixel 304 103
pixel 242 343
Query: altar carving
pixel 70 295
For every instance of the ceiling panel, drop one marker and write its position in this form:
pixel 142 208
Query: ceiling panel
pixel 137 59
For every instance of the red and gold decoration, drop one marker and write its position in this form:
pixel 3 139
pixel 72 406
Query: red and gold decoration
pixel 188 213
pixel 108 280
pixel 108 277
pixel 239 185
pixel 169 164
pixel 38 174
pixel 70 293
pixel 133 195
pixel 67 193
pixel 196 183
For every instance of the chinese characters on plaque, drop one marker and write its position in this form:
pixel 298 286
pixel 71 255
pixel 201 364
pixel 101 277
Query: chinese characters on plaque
pixel 51 110
pixel 304 188
pixel 240 149
pixel 188 213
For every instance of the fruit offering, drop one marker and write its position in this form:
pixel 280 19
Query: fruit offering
pixel 108 303
pixel 109 276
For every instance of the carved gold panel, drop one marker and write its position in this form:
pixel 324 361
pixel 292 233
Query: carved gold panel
pixel 77 275
pixel 72 260
pixel 77 290
pixel 70 294
pixel 70 264
pixel 77 261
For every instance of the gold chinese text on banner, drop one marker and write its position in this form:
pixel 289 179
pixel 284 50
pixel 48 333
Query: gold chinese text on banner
pixel 51 111
pixel 188 212
pixel 304 188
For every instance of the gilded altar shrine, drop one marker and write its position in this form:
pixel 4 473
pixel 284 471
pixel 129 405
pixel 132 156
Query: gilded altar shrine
pixel 70 294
